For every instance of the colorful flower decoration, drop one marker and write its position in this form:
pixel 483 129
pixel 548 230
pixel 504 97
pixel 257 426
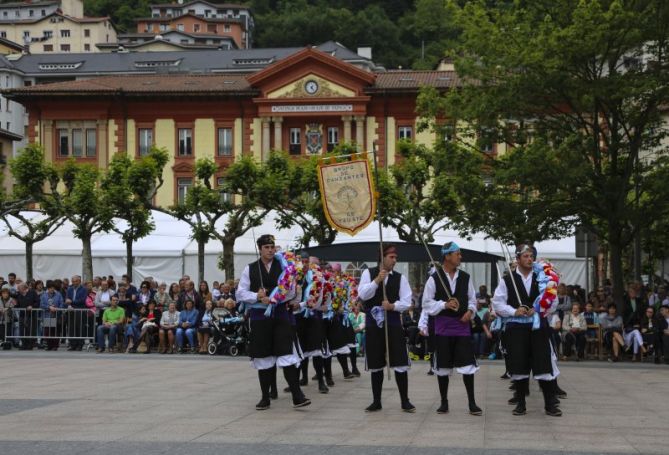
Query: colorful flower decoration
pixel 548 281
pixel 287 280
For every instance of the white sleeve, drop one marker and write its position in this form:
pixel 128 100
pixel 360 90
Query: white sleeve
pixel 471 297
pixel 431 307
pixel 404 303
pixel 500 301
pixel 367 287
pixel 244 293
pixel 422 321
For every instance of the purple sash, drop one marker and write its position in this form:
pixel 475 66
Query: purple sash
pixel 451 326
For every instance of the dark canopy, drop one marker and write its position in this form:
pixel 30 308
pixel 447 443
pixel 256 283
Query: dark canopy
pixel 407 252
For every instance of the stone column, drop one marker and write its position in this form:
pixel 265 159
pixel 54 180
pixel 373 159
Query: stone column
pixel 265 138
pixel 278 145
pixel 360 133
pixel 347 128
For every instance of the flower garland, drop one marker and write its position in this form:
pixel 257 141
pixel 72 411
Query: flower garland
pixel 314 289
pixel 287 280
pixel 548 280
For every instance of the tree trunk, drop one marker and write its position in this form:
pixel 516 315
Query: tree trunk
pixel 86 259
pixel 200 261
pixel 229 259
pixel 129 258
pixel 615 252
pixel 29 260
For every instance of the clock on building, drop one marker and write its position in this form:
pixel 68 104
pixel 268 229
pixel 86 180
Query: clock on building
pixel 311 87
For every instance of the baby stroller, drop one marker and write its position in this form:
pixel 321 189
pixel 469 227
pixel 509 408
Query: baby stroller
pixel 228 334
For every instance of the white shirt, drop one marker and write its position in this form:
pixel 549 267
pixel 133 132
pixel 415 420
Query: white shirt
pixel 422 321
pixel 367 288
pixel 244 293
pixel 501 296
pixel 434 307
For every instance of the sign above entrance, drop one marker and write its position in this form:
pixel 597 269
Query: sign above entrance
pixel 313 108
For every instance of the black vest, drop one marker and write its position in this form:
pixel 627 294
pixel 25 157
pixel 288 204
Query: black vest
pixel 392 289
pixel 526 300
pixel 461 292
pixel 269 280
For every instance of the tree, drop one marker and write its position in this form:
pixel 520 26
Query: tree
pixel 30 175
pixel 200 209
pixel 83 203
pixel 30 230
pixel 130 186
pixel 578 88
pixel 301 204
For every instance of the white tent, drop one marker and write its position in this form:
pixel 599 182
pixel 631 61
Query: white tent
pixel 169 252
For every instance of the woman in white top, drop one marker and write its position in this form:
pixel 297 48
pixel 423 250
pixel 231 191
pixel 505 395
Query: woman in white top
pixel 574 327
pixel 168 328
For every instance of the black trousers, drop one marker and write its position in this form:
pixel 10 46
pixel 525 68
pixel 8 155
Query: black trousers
pixel 571 339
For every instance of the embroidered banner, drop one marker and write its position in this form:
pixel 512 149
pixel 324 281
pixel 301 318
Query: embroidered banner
pixel 347 193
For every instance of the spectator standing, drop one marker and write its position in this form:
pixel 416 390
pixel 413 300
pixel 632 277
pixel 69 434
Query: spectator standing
pixel 27 300
pixel 188 293
pixel 103 297
pixel 174 292
pixel 162 297
pixel 6 305
pixel 77 321
pixel 204 294
pixel 112 321
pixel 564 301
pixel 50 302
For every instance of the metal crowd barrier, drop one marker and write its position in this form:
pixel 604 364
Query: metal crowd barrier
pixel 24 327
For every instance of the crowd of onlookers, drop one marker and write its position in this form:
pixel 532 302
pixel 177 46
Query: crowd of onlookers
pixel 179 317
pixel 581 323
pixel 115 316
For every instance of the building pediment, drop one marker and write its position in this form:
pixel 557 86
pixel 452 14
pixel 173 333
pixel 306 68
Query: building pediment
pixel 311 86
pixel 329 77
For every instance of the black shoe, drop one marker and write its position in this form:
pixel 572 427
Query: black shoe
pixel 101 351
pixel 375 406
pixel 348 376
pixel 519 410
pixel 356 372
pixel 561 394
pixel 408 407
pixel 304 382
pixel 286 390
pixel 329 382
pixel 430 373
pixel 553 411
pixel 263 404
pixel 274 395
pixel 322 388
pixel 513 400
pixel 314 377
pixel 302 402
pixel 443 409
pixel 512 386
pixel 475 410
pixel 506 375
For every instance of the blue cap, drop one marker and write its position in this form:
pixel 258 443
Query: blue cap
pixel 449 247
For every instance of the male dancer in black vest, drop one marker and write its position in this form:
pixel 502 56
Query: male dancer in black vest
pixel 452 324
pixel 272 340
pixel 398 299
pixel 527 349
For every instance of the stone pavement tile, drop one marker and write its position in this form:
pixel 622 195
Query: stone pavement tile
pixel 42 447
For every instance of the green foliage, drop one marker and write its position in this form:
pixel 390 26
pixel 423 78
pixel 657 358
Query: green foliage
pixel 417 195
pixel 122 12
pixel 577 88
pixel 300 200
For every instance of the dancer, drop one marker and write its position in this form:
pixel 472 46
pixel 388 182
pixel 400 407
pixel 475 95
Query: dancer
pixel 398 299
pixel 272 340
pixel 449 297
pixel 527 341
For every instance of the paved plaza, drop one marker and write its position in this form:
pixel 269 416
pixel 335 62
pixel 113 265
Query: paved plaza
pixel 73 402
